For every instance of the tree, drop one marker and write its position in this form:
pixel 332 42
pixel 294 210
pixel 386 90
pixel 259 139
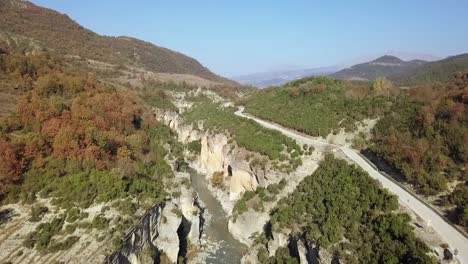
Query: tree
pixel 382 86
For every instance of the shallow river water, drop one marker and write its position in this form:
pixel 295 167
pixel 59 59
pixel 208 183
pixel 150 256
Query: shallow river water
pixel 229 250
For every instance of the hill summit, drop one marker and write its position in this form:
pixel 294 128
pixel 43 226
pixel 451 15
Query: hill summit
pixel 384 66
pixel 388 59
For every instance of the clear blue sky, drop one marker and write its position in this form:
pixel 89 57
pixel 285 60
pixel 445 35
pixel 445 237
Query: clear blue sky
pixel 242 36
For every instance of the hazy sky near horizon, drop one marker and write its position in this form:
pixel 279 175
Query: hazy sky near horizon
pixel 240 37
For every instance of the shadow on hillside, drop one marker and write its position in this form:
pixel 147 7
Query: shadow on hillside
pixel 6 215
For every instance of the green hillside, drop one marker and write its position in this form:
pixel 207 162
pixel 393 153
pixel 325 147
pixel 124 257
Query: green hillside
pixel 432 72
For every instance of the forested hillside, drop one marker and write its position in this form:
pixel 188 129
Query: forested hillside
pixel 341 209
pixel 77 141
pixel 318 106
pixel 425 136
pixel 52 30
pixel 421 132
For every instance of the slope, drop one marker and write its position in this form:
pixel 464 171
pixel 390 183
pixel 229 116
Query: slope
pixel 52 30
pixel 437 71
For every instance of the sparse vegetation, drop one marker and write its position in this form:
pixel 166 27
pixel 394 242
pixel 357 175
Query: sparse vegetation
pixel 42 238
pixel 256 199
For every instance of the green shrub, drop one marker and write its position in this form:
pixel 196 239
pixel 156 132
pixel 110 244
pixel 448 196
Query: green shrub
pixel 181 165
pixel 195 146
pixel 65 245
pixel 217 179
pixel 37 212
pixel 70 229
pixel 100 222
pixel 41 238
pixel 73 215
pixel 126 206
pixel 177 212
pixel 117 243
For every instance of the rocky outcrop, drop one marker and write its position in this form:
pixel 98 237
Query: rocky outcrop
pixel 163 229
pixel 139 245
pixel 306 252
pixel 168 240
pixel 277 240
pixel 192 210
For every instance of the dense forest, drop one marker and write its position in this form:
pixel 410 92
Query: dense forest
pixel 77 141
pixel 340 208
pixel 425 136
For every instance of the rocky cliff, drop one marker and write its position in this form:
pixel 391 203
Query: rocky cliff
pixel 166 229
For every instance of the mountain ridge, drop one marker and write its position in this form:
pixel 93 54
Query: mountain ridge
pixel 436 71
pixel 60 33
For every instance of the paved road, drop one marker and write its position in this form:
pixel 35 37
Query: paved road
pixel 452 236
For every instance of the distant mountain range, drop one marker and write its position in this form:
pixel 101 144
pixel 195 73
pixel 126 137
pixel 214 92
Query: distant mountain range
pixel 405 73
pixel 277 78
pixel 384 66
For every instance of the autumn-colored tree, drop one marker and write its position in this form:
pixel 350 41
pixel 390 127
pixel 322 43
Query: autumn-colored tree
pixel 12 164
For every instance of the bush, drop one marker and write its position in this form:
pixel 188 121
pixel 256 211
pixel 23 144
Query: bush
pixel 217 179
pixel 194 146
pixel 117 243
pixel 100 222
pixel 73 215
pixel 41 238
pixel 65 245
pixel 126 206
pixel 177 212
pixel 181 165
pixel 70 229
pixel 37 212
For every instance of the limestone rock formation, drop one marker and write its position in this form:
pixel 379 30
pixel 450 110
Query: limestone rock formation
pixel 140 240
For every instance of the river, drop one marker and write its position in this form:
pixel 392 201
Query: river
pixel 229 250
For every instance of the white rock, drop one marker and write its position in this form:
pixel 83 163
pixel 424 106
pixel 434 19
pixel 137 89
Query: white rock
pixel 168 240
